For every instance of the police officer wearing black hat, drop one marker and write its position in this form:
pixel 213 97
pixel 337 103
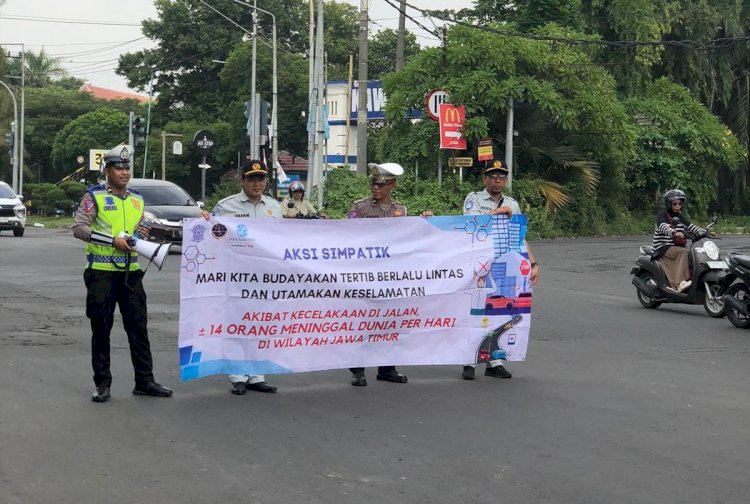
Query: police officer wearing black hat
pixel 108 215
pixel 253 203
pixel 492 201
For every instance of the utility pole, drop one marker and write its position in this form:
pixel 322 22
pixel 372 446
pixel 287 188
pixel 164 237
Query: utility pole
pixel 254 137
pixel 148 122
pixel 362 96
pixel 15 138
pixel 348 109
pixel 320 101
pixel 310 100
pixel 400 36
pixel 131 118
pixel 509 143
pixel 20 121
pixel 23 118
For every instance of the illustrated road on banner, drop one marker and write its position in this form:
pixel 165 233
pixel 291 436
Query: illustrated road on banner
pixel 273 296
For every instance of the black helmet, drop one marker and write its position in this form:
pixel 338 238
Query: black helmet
pixel 673 195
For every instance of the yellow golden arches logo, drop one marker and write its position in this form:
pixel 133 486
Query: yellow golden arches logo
pixel 452 115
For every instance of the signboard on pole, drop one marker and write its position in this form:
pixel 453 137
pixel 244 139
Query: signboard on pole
pixel 95 159
pixel 484 151
pixel 452 122
pixel 434 99
pixel 204 141
pixel 460 162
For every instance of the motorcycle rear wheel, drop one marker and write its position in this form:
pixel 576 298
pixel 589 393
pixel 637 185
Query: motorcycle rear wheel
pixel 715 307
pixel 645 300
pixel 742 293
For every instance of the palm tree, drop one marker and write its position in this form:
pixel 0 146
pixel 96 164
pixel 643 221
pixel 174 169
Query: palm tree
pixel 40 68
pixel 553 160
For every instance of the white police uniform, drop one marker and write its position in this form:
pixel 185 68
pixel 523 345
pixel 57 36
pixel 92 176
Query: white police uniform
pixel 239 205
pixel 481 202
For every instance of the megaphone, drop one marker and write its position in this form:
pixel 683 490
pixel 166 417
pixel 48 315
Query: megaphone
pixel 155 252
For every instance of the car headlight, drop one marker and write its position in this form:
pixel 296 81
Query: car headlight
pixel 20 211
pixel 153 219
pixel 712 251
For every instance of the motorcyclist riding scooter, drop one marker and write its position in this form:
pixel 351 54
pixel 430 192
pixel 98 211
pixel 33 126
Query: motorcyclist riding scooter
pixel 670 272
pixel 295 206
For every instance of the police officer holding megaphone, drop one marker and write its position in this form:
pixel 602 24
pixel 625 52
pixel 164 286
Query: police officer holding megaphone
pixel 107 218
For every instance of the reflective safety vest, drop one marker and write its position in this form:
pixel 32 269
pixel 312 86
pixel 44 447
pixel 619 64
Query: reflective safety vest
pixel 115 214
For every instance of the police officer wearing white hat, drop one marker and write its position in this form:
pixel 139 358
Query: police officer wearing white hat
pixel 108 215
pixel 492 201
pixel 379 204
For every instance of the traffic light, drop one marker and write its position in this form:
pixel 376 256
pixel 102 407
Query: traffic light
pixel 10 139
pixel 265 117
pixel 139 132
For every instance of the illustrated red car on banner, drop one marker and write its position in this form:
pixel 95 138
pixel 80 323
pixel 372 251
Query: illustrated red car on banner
pixel 508 303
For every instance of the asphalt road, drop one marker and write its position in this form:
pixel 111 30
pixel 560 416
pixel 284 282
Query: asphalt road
pixel 615 404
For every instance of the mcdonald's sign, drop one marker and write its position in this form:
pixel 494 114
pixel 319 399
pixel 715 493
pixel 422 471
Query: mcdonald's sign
pixel 452 122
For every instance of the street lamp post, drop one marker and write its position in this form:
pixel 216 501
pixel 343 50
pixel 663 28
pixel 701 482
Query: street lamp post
pixel 274 112
pixel 15 138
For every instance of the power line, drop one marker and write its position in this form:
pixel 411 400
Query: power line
pixel 66 21
pixel 95 51
pixel 719 43
pixel 78 43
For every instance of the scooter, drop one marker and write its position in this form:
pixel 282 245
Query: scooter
pixel 737 297
pixel 709 276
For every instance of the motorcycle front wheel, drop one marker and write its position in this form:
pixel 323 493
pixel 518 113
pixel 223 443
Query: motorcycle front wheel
pixel 645 300
pixel 714 305
pixel 741 292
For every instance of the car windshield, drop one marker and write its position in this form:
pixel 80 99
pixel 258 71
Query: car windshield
pixel 524 294
pixel 6 192
pixel 165 195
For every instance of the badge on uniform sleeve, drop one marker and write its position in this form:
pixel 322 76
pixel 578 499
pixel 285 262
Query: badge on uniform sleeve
pixel 397 213
pixel 88 206
pixel 469 205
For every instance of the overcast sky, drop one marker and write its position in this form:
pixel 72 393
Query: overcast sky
pixel 89 35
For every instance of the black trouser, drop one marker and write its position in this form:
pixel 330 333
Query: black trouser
pixel 105 289
pixel 382 370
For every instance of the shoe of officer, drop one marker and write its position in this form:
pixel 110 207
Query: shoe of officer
pixel 239 388
pixel 497 372
pixel 101 394
pixel 392 376
pixel 152 389
pixel 261 387
pixel 468 373
pixel 358 379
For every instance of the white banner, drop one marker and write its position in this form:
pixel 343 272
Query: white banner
pixel 273 296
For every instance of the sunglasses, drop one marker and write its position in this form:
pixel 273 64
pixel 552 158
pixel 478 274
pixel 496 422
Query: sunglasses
pixel 379 185
pixel 497 176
